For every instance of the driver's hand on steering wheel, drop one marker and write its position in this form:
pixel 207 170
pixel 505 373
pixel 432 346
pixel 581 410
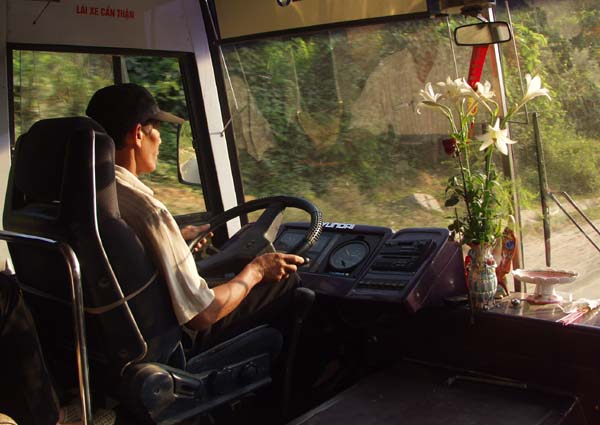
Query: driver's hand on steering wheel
pixel 189 232
pixel 276 266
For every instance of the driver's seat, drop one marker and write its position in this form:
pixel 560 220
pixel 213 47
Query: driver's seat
pixel 62 186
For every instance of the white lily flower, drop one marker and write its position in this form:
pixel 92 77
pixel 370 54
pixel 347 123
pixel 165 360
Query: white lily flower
pixel 428 94
pixel 455 89
pixel 485 90
pixel 534 89
pixel 499 137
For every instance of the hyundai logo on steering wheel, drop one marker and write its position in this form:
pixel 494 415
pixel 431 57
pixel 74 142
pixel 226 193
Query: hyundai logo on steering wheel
pixel 284 3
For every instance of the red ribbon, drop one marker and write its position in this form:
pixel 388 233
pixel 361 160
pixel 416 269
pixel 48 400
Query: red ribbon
pixel 477 62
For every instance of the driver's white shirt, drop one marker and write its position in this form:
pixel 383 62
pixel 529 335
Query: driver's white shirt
pixel 159 233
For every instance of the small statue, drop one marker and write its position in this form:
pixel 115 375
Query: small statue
pixel 509 249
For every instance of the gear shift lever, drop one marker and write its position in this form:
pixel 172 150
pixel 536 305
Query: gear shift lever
pixel 303 301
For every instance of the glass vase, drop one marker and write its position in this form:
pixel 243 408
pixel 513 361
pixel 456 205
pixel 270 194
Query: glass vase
pixel 482 281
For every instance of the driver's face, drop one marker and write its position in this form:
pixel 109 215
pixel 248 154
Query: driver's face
pixel 148 153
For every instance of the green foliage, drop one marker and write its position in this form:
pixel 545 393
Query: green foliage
pixel 162 77
pixel 576 161
pixel 563 49
pixel 480 198
pixel 51 85
pixel 530 45
pixel 320 77
pixel 299 74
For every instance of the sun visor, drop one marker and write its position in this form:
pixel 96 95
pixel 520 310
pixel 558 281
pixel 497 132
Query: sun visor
pixel 243 18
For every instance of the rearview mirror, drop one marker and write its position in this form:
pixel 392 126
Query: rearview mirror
pixel 187 163
pixel 482 33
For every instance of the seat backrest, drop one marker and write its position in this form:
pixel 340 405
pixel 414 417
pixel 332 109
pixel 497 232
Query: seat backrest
pixel 62 186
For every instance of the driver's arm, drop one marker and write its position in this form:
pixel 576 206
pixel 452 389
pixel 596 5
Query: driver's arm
pixel 194 304
pixel 268 268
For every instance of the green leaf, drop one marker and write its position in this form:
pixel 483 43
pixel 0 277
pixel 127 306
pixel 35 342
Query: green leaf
pixel 452 201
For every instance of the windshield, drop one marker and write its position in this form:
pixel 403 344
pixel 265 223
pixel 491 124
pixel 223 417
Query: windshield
pixel 331 117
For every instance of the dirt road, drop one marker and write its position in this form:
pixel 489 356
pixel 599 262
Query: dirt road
pixel 570 250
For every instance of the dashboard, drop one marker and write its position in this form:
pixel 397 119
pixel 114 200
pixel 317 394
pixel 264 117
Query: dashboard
pixel 412 267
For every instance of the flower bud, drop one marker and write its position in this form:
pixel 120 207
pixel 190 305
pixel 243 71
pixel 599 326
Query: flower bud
pixel 449 145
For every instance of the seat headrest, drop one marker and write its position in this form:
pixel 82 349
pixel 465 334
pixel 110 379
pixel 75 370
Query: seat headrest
pixel 40 153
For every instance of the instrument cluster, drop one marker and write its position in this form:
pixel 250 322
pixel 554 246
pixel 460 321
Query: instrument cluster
pixel 412 267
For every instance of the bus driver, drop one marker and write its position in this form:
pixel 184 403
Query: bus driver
pixel 131 116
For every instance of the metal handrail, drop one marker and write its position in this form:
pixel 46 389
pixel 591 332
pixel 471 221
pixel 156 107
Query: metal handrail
pixel 580 211
pixel 78 310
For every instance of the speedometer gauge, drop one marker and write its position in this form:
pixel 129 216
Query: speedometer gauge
pixel 348 255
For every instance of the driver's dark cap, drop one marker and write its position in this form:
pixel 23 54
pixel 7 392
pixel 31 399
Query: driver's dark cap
pixel 119 108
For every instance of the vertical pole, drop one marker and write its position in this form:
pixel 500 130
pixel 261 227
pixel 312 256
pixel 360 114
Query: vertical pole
pixel 541 164
pixel 508 162
pixel 80 338
pixel 117 74
pixel 4 120
pixel 217 142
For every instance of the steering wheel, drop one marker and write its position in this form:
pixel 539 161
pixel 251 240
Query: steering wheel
pixel 258 238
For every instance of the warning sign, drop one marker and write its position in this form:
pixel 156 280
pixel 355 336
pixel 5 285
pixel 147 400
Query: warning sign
pixel 108 12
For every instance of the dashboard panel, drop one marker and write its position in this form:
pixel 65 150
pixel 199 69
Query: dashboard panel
pixel 342 251
pixel 412 267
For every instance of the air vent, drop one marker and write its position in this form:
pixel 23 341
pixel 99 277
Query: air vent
pixel 402 256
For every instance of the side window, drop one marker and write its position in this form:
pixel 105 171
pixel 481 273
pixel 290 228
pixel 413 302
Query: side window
pixel 58 84
pixel 162 77
pixel 52 84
